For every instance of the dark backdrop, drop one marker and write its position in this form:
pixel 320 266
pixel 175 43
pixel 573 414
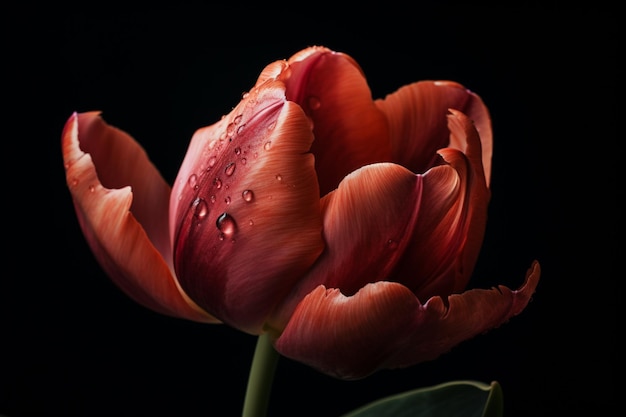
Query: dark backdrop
pixel 73 344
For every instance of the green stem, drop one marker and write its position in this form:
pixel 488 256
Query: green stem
pixel 260 379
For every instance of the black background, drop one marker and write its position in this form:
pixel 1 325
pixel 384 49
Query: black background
pixel 73 344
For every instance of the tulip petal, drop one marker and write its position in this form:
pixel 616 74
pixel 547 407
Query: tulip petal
pixel 245 208
pixel 384 221
pixel 446 240
pixel 126 230
pixel 366 224
pixel 350 131
pixel 384 326
pixel 417 122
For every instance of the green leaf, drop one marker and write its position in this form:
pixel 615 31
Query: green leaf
pixel 451 399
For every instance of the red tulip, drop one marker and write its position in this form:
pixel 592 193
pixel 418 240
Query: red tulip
pixel 346 227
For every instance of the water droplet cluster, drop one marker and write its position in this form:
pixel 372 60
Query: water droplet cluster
pixel 225 157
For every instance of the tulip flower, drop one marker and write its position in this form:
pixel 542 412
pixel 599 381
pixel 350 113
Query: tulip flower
pixel 345 228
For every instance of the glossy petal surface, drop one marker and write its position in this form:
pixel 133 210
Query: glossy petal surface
pixel 385 326
pixel 445 244
pixel 409 228
pixel 126 229
pixel 418 127
pixel 245 208
pixel 350 131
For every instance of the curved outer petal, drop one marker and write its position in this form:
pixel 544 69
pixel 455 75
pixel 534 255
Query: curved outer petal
pixel 444 248
pixel 245 207
pixel 417 122
pixel 350 131
pixel 384 223
pixel 110 217
pixel 385 326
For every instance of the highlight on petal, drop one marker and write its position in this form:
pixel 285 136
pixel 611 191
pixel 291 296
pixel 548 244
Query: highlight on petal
pixel 447 237
pixel 127 251
pixel 368 221
pixel 418 127
pixel 245 209
pixel 350 131
pixel 384 326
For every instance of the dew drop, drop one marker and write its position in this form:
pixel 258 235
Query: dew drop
pixel 230 168
pixel 201 209
pixel 230 129
pixel 251 222
pixel 193 181
pixel 271 126
pixel 212 161
pixel 243 161
pixel 75 181
pixel 240 129
pixel 237 119
pixel 227 200
pixel 217 183
pixel 247 195
pixel 226 225
pixel 267 145
pixel 314 103
pixel 213 198
pixel 92 188
pixel 279 177
pixel 237 150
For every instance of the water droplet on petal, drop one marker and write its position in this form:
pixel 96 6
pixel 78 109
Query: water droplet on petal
pixel 271 126
pixel 230 168
pixel 226 224
pixel 227 200
pixel 218 183
pixel 247 195
pixel 230 129
pixel 237 150
pixel 92 188
pixel 213 198
pixel 240 129
pixel 279 177
pixel 201 209
pixel 267 145
pixel 193 181
pixel 243 161
pixel 212 161
pixel 238 119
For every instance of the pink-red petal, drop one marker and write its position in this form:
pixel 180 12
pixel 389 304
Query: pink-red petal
pixel 448 236
pixel 367 222
pixel 417 122
pixel 246 208
pixel 384 222
pixel 350 131
pixel 384 326
pixel 132 253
